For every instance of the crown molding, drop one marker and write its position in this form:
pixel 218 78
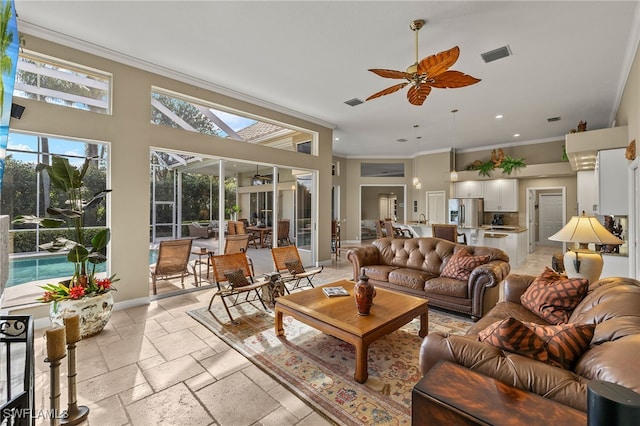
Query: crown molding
pixel 103 52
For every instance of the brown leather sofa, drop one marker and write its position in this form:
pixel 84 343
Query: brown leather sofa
pixel 613 304
pixel 413 266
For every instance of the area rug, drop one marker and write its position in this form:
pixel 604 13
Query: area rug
pixel 319 368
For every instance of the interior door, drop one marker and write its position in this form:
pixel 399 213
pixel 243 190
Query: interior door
pixel 550 217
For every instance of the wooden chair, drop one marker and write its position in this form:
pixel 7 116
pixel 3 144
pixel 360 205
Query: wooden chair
pixel 448 232
pixel 231 227
pixel 231 294
pixel 173 261
pixel 335 237
pixel 379 233
pixel 287 262
pixel 241 229
pixel 393 231
pixel 237 244
pixel 283 232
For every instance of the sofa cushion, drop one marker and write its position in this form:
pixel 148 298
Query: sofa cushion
pixel 378 272
pixel 559 345
pixel 461 264
pixel 410 278
pixel 553 296
pixel 447 287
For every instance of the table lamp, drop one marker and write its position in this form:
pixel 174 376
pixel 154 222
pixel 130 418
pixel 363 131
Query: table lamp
pixel 580 262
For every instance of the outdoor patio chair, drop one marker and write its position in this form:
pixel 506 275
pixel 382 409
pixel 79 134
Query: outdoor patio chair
pixel 231 227
pixel 173 261
pixel 241 229
pixel 287 262
pixel 448 232
pixel 198 231
pixel 235 281
pixel 237 244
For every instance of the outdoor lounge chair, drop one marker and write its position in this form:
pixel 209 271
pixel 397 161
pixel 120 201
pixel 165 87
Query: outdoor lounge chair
pixel 235 282
pixel 287 262
pixel 198 231
pixel 173 261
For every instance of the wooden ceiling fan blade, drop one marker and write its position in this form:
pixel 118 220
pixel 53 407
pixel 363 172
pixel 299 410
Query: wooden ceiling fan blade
pixel 453 79
pixel 387 91
pixel 390 73
pixel 440 62
pixel 417 96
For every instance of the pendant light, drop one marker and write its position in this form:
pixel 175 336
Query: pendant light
pixel 416 180
pixel 454 173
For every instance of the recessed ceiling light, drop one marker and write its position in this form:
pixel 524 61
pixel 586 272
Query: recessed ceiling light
pixel 401 140
pixel 516 135
pixel 337 139
pixel 499 116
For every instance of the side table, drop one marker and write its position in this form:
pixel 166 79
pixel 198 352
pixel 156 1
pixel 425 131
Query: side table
pixel 450 394
pixel 199 262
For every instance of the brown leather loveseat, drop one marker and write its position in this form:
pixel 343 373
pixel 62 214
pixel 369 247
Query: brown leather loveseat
pixel 613 304
pixel 414 266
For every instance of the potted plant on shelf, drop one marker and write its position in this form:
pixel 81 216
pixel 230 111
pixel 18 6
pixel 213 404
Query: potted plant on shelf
pixel 85 293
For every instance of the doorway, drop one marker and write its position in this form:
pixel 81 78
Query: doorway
pixel 371 206
pixel 546 214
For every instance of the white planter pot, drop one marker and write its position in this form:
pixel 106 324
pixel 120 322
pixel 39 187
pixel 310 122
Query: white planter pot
pixel 94 312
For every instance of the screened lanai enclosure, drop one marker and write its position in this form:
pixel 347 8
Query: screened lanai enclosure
pixel 188 189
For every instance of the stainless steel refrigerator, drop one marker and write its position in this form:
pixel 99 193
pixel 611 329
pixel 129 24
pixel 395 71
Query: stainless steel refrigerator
pixel 466 212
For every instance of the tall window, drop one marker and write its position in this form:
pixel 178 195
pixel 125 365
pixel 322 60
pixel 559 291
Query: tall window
pixel 27 192
pixel 62 83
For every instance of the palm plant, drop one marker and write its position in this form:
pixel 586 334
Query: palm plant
pixel 69 179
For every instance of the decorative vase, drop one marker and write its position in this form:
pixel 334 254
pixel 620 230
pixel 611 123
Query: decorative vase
pixel 363 292
pixel 94 312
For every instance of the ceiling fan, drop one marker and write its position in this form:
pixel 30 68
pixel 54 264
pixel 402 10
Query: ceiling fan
pixel 432 71
pixel 259 179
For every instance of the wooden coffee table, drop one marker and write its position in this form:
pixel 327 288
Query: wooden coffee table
pixel 338 317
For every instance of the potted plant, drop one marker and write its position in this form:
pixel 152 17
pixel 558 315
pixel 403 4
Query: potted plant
pixel 85 293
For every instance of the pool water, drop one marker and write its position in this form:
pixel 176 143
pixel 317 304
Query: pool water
pixel 27 269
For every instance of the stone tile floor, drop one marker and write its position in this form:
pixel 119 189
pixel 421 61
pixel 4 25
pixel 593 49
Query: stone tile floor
pixel 155 365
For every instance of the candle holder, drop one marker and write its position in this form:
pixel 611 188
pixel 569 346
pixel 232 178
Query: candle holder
pixel 74 414
pixel 54 390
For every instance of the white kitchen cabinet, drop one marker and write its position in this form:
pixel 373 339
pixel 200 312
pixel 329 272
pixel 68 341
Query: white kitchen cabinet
pixel 500 195
pixel 587 186
pixel 516 248
pixel 613 182
pixel 468 189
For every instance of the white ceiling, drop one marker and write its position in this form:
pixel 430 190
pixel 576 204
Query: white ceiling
pixel 570 59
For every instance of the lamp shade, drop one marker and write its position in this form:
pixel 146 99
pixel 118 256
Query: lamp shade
pixel 584 230
pixel 582 262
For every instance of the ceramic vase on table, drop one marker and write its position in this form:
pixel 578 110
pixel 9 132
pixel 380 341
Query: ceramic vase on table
pixel 363 291
pixel 94 312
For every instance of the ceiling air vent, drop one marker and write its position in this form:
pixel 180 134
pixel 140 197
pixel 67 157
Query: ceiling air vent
pixel 552 119
pixel 353 102
pixel 494 55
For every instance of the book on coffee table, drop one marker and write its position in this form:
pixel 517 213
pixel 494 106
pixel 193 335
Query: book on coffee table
pixel 335 291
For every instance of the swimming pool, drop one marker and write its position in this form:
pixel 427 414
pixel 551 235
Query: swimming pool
pixel 34 268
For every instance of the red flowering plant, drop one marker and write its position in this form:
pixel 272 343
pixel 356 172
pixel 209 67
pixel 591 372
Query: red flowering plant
pixel 95 286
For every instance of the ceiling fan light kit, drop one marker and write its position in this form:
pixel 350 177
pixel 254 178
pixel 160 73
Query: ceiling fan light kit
pixel 422 76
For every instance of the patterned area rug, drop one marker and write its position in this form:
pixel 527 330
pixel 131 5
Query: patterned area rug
pixel 319 368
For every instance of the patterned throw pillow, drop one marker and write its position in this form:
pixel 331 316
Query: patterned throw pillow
pixel 558 345
pixel 461 264
pixel 294 266
pixel 236 278
pixel 553 296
